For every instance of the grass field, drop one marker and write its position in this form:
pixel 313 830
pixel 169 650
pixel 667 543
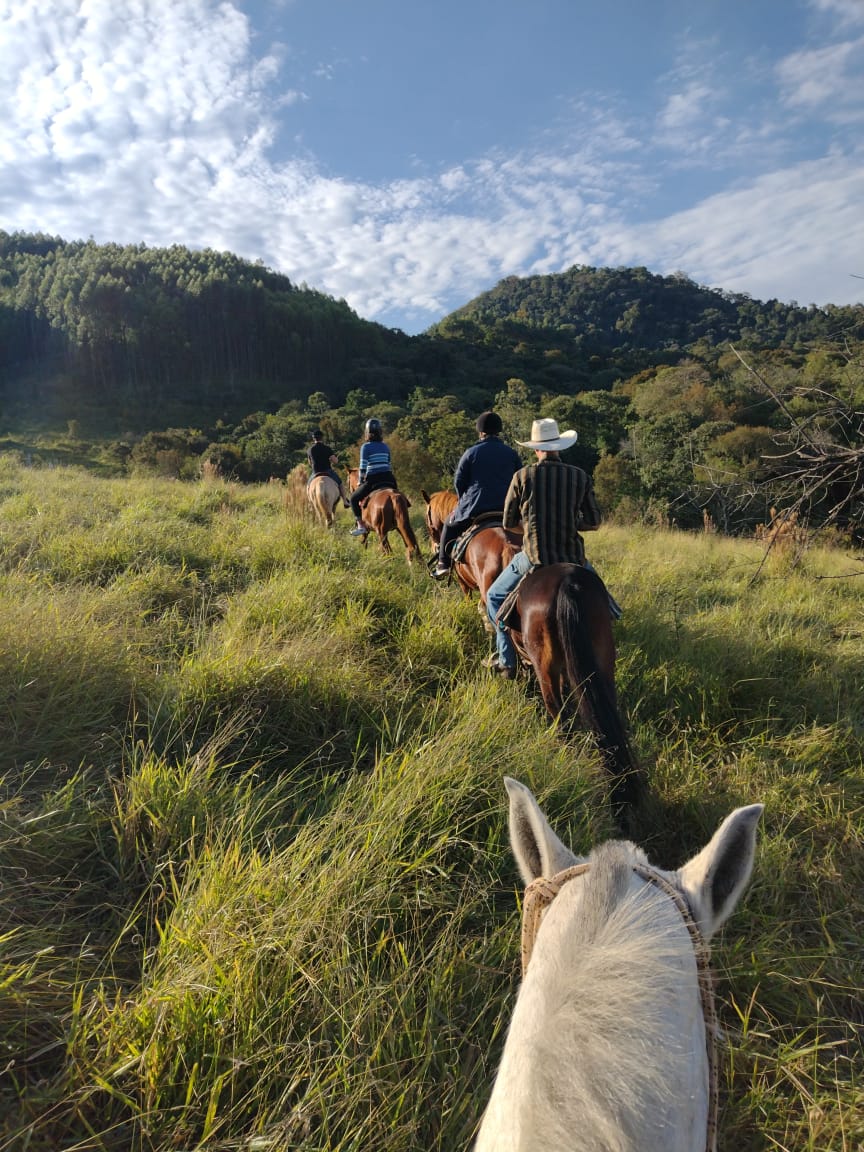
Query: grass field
pixel 255 890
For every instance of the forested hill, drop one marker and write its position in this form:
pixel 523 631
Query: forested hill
pixel 600 309
pixel 143 328
pixel 126 339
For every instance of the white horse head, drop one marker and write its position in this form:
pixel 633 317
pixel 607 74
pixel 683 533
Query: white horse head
pixel 607 1050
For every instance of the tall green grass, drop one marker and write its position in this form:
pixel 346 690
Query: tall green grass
pixel 255 891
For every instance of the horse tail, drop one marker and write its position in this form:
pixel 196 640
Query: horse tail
pixel 403 525
pixel 582 605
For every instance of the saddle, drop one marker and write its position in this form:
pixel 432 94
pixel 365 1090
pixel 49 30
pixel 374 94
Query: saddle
pixel 478 523
pixel 508 615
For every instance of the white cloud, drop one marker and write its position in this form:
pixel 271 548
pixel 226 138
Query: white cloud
pixel 827 78
pixel 848 11
pixel 158 127
pixel 684 108
pixel 793 234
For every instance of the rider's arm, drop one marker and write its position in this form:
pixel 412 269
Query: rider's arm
pixel 513 504
pixel 462 475
pixel 589 513
pixel 364 462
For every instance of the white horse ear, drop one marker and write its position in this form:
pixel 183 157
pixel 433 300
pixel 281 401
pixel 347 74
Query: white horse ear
pixel 537 849
pixel 715 879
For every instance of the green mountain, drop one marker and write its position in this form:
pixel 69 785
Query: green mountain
pixel 130 339
pixel 632 308
pixel 159 333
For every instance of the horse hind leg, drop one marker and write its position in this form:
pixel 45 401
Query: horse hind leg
pixel 550 691
pixel 539 649
pixel 410 545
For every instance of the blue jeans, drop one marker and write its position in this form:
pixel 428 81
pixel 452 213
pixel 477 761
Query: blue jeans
pixel 496 596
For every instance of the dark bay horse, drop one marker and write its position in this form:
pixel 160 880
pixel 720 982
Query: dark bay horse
pixel 487 554
pixel 564 629
pixel 385 511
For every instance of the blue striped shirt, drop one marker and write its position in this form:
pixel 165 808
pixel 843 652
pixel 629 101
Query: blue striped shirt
pixel 374 457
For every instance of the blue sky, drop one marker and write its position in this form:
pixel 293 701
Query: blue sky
pixel 407 156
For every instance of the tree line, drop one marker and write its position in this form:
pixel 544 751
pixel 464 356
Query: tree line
pixel 693 406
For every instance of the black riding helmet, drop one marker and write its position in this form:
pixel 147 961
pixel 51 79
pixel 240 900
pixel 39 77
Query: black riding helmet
pixel 373 429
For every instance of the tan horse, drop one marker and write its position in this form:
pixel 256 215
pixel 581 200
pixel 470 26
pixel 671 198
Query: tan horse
pixel 323 493
pixel 385 511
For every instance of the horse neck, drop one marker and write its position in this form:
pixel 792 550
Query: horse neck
pixel 606 1048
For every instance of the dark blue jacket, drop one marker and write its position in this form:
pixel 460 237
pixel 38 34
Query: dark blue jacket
pixel 483 476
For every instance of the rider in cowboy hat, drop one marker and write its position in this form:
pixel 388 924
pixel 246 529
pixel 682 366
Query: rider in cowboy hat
pixel 554 501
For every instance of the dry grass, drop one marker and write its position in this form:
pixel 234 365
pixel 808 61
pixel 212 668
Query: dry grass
pixel 256 892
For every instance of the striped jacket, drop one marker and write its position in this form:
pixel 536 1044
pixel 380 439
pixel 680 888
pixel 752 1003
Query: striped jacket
pixel 374 458
pixel 554 501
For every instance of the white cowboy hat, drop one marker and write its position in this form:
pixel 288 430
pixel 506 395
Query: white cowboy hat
pixel 546 437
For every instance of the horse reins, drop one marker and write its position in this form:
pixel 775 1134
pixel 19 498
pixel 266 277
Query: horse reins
pixel 540 893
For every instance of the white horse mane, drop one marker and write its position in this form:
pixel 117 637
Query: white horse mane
pixel 606 1050
pixel 625 957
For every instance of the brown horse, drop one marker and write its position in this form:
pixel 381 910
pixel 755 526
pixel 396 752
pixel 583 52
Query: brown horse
pixel 438 507
pixel 385 511
pixel 487 554
pixel 564 629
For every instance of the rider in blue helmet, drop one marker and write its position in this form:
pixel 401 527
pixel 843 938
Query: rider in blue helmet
pixel 375 471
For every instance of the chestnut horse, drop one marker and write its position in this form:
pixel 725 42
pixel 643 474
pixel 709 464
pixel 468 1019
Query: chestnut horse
pixel 564 632
pixel 487 554
pixel 438 507
pixel 563 627
pixel 385 511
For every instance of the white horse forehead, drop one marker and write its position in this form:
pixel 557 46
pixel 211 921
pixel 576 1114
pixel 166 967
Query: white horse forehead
pixel 612 879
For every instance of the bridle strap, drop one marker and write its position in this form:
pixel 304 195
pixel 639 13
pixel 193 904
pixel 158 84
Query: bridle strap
pixel 540 893
pixel 538 896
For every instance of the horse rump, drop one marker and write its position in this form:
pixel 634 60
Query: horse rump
pixel 588 647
